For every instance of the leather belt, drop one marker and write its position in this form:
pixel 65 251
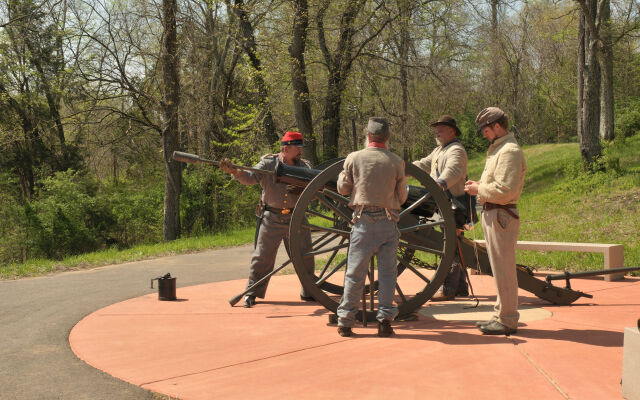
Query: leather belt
pixel 507 207
pixel 283 211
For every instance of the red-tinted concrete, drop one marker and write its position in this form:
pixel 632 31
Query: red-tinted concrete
pixel 201 348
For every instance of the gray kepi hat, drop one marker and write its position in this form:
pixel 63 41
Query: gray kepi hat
pixel 378 126
pixel 448 121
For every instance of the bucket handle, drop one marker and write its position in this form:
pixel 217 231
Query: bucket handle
pixel 166 276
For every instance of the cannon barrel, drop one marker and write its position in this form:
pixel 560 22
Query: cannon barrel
pixel 300 177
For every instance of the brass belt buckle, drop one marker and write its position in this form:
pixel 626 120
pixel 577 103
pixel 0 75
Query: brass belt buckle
pixel 285 211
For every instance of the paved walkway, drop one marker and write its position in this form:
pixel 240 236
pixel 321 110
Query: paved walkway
pixel 201 348
pixel 37 314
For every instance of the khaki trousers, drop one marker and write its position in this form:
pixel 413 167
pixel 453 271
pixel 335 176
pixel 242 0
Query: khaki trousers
pixel 501 234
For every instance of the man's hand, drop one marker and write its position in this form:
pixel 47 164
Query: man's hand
pixel 471 187
pixel 226 166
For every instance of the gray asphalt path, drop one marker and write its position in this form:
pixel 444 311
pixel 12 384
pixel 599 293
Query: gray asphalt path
pixel 37 315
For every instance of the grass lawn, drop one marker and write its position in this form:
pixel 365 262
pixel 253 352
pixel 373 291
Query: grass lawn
pixel 560 202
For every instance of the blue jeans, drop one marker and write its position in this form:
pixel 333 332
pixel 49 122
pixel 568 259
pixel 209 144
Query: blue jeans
pixel 372 234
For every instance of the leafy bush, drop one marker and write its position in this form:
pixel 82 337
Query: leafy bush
pixel 627 123
pixel 136 210
pixel 211 201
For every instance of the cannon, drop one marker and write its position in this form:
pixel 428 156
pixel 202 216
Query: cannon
pixel 429 241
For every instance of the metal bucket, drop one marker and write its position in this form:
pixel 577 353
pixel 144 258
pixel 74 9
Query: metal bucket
pixel 166 287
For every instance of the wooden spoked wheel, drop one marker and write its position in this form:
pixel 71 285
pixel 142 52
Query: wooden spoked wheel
pixel 426 250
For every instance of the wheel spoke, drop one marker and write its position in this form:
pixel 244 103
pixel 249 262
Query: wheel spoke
pixel 404 299
pixel 324 269
pixel 322 238
pixel 371 280
pixel 415 271
pixel 415 204
pixel 316 252
pixel 335 196
pixel 421 248
pixel 333 207
pixel 419 227
pixel 327 229
pixel 333 271
pixel 317 214
pixel 321 245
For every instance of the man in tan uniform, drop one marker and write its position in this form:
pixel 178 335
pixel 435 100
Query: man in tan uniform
pixel 278 201
pixel 447 165
pixel 374 177
pixel 499 190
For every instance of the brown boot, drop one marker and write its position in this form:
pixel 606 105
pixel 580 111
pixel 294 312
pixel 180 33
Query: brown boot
pixel 385 329
pixel 442 296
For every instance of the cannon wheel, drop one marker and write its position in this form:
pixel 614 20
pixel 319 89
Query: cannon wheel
pixel 421 239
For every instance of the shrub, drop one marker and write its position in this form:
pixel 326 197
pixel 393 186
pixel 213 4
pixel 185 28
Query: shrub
pixel 627 123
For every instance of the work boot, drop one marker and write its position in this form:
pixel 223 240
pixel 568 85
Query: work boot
pixel 487 322
pixel 442 295
pixel 495 327
pixel 249 301
pixel 344 331
pixel 384 328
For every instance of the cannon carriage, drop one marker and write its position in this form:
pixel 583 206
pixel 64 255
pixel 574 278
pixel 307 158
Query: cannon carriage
pixel 430 240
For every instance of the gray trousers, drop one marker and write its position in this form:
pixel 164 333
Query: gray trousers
pixel 274 228
pixel 369 236
pixel 501 233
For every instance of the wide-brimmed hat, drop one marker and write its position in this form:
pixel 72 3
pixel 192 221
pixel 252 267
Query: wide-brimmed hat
pixel 292 139
pixel 448 121
pixel 487 117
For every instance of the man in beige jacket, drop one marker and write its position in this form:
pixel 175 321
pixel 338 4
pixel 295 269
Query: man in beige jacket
pixel 374 178
pixel 499 190
pixel 447 165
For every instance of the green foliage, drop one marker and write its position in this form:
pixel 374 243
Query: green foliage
pixel 211 202
pixel 136 212
pixel 628 120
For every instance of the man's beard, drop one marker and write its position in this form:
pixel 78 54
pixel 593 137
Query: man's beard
pixel 438 142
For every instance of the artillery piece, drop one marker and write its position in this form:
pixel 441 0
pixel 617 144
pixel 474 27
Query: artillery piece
pixel 429 240
pixel 428 244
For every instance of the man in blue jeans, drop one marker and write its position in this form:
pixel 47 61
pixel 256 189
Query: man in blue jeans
pixel 374 177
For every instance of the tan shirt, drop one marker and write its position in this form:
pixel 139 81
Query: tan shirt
pixel 374 177
pixel 503 176
pixel 448 164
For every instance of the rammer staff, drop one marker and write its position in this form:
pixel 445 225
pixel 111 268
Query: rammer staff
pixel 195 159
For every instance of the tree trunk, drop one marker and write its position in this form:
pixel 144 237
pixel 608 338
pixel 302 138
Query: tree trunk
pixel 606 68
pixel 331 123
pixel 170 132
pixel 590 140
pixel 404 74
pixel 249 44
pixel 339 66
pixel 301 100
pixel 580 74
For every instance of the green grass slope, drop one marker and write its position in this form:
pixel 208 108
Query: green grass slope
pixel 562 203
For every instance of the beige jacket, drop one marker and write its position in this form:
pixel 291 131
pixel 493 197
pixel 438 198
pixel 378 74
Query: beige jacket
pixel 447 164
pixel 374 177
pixel 503 176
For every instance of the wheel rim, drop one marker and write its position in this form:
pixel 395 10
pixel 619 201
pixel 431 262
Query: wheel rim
pixel 425 252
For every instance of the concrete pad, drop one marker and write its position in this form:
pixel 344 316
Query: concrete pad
pixel 631 364
pixel 201 348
